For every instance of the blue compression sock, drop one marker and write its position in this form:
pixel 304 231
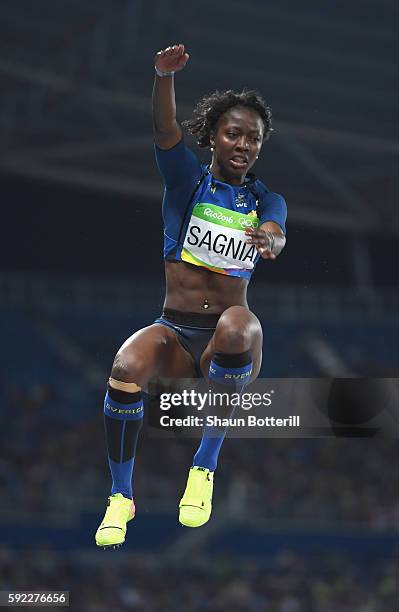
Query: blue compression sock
pixel 123 419
pixel 229 373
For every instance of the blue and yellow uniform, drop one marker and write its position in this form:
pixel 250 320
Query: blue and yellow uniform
pixel 205 219
pixel 204 225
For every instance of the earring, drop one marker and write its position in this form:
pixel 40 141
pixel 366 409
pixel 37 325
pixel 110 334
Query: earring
pixel 212 149
pixel 257 157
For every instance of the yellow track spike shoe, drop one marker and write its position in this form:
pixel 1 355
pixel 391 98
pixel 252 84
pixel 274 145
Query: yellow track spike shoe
pixel 111 533
pixel 196 504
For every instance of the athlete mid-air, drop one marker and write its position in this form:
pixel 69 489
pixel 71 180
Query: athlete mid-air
pixel 218 221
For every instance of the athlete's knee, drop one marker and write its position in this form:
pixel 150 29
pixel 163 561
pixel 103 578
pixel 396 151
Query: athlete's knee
pixel 128 368
pixel 235 330
pixel 229 338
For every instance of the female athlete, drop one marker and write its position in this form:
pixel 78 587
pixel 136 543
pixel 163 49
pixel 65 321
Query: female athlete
pixel 218 221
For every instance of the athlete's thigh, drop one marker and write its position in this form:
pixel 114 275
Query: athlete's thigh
pixel 237 326
pixel 152 352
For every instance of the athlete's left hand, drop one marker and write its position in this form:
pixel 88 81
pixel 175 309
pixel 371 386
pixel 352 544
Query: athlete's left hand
pixel 259 238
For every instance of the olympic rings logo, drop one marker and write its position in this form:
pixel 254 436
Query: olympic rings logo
pixel 246 223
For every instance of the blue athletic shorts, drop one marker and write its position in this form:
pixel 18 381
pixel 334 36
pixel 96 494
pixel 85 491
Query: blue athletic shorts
pixel 193 330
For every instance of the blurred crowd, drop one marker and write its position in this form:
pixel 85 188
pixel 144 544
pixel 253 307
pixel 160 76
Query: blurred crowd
pixel 315 480
pixel 53 460
pixel 291 583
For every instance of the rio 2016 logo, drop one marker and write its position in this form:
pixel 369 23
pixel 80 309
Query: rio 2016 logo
pixel 217 215
pixel 244 222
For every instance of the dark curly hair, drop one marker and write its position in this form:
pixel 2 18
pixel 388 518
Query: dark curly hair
pixel 211 107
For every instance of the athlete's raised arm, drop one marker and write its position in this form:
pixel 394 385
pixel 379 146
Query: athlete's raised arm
pixel 167 131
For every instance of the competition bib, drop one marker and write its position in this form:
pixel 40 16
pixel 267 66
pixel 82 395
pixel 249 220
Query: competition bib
pixel 215 239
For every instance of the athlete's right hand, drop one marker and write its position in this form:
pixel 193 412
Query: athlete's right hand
pixel 171 59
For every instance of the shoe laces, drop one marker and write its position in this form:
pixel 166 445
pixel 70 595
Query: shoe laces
pixel 200 482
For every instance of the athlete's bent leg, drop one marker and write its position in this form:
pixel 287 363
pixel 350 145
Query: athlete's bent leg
pixel 231 360
pixel 149 352
pixel 123 418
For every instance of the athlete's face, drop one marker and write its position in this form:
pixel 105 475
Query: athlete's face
pixel 236 142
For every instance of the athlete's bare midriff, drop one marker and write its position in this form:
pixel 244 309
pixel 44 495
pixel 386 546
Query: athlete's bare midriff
pixel 193 289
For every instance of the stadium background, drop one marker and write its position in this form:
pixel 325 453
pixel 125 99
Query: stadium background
pixel 299 525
